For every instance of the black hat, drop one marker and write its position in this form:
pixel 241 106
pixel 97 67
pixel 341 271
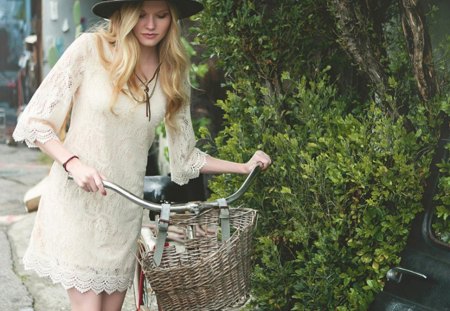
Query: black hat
pixel 184 8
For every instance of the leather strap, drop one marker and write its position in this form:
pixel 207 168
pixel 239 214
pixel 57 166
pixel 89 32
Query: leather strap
pixel 163 227
pixel 224 219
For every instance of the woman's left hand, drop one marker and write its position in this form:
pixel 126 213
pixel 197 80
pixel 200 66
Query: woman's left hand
pixel 259 158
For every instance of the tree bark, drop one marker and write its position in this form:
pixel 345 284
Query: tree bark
pixel 419 47
pixel 360 35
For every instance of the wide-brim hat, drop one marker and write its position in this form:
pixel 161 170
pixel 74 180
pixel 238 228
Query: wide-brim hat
pixel 184 8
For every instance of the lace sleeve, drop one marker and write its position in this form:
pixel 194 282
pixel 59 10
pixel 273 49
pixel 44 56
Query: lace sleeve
pixel 47 110
pixel 185 159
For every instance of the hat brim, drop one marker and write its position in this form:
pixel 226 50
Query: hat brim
pixel 184 8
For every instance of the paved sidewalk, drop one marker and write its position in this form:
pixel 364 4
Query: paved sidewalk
pixel 20 169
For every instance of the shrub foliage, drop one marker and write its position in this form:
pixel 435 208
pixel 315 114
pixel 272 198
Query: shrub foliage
pixel 347 178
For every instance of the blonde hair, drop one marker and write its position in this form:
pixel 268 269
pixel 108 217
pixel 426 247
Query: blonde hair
pixel 173 77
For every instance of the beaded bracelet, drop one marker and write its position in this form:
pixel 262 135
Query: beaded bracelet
pixel 68 160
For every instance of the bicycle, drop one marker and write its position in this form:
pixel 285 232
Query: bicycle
pixel 209 267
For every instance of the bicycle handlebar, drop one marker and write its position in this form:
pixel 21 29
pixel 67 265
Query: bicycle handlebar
pixel 182 207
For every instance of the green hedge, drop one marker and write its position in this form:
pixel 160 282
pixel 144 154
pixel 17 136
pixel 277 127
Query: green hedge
pixel 347 179
pixel 335 206
pixel 441 223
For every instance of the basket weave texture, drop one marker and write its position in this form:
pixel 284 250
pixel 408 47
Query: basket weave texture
pixel 207 274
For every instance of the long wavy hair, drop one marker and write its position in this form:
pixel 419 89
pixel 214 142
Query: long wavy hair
pixel 173 77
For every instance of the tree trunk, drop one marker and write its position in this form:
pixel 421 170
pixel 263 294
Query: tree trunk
pixel 360 34
pixel 419 47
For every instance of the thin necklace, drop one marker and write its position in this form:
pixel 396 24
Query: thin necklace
pixel 146 89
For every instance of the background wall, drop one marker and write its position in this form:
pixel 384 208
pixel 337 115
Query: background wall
pixel 62 21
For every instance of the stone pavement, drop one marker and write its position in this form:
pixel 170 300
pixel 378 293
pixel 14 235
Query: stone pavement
pixel 20 169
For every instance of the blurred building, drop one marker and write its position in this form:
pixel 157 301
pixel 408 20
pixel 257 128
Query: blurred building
pixel 33 35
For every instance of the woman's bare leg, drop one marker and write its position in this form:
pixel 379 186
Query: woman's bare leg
pixel 88 301
pixel 112 302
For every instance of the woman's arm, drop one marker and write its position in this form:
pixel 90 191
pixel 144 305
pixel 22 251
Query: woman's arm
pixel 186 161
pixel 84 176
pixel 219 166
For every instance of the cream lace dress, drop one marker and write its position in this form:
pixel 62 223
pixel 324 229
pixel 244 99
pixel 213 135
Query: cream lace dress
pixel 85 240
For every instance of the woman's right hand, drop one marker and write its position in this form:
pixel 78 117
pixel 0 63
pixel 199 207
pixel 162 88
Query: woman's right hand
pixel 85 176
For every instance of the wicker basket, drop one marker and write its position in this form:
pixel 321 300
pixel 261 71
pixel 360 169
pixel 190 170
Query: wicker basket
pixel 204 273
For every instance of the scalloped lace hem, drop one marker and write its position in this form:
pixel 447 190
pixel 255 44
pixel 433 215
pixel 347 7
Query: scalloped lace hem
pixel 82 282
pixel 31 136
pixel 199 160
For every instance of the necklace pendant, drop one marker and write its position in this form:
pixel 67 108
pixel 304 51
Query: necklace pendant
pixel 146 90
pixel 147 107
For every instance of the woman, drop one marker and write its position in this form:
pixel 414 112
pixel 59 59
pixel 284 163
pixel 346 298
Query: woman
pixel 117 83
